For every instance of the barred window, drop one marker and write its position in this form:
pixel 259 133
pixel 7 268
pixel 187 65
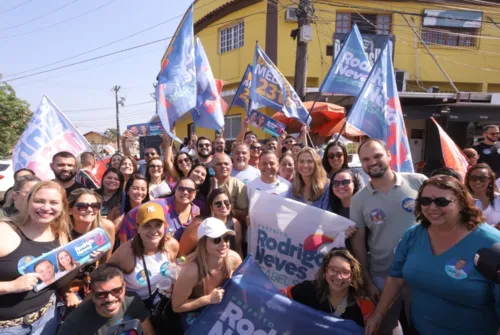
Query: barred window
pixel 343 23
pixel 231 37
pixel 367 23
pixel 456 37
pixel 232 127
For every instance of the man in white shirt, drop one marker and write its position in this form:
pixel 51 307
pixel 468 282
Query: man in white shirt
pixel 269 181
pixel 241 170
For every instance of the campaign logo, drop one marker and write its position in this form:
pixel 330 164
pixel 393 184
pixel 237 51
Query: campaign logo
pixel 486 151
pixel 377 216
pixel 21 264
pixel 141 277
pixel 408 204
pixel 457 268
pixel 315 241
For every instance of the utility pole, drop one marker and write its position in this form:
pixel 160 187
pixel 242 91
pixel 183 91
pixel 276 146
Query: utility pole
pixel 117 88
pixel 305 12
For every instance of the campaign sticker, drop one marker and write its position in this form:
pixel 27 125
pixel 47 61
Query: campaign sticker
pixel 457 268
pixel 486 151
pixel 377 216
pixel 141 277
pixel 408 204
pixel 21 264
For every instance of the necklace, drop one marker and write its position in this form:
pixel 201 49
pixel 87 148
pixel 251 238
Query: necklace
pixel 340 308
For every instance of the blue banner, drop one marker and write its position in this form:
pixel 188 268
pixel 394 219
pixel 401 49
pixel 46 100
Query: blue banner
pixel 145 129
pixel 265 123
pixel 47 133
pixel 176 89
pixel 350 69
pixel 377 112
pixel 271 89
pixel 208 112
pixel 253 305
pixel 242 95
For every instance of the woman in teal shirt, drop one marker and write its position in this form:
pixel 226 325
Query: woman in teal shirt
pixel 436 260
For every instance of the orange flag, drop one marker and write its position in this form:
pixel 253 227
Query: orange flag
pixel 453 157
pixel 220 83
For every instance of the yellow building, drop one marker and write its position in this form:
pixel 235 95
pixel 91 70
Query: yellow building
pixel 98 140
pixel 463 36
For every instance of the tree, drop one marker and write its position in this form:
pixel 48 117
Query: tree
pixel 112 133
pixel 14 116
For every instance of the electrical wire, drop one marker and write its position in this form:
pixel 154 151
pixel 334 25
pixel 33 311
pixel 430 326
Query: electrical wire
pixel 12 8
pixel 106 108
pixel 39 17
pixel 58 23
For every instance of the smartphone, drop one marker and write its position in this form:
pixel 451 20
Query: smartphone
pixel 132 327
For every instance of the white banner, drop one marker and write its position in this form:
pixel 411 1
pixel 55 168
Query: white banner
pixel 289 239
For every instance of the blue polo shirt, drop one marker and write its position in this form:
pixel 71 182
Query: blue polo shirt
pixel 449 296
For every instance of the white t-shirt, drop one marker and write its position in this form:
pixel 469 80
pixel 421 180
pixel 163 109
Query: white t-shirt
pixel 247 175
pixel 280 187
pixel 493 214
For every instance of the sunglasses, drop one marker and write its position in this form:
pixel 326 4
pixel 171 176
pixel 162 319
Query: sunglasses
pixel 114 292
pixel 186 189
pixel 83 206
pixel 219 203
pixel 218 240
pixel 156 166
pixel 185 160
pixel 289 142
pixel 335 155
pixel 149 154
pixel 440 202
pixel 482 179
pixel 338 183
pixel 495 134
pixel 202 145
pixel 255 148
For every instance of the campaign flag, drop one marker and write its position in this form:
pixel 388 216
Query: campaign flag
pixel 242 95
pixel 252 305
pixel 270 88
pixel 288 245
pixel 208 112
pixel 350 69
pixel 176 89
pixel 377 112
pixel 453 157
pixel 47 133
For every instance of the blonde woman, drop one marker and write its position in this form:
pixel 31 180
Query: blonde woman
pixel 200 280
pixel 43 227
pixel 310 183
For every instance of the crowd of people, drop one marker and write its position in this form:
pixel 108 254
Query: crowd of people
pixel 178 222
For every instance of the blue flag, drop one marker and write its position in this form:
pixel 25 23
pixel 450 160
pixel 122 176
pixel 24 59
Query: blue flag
pixel 208 112
pixel 176 89
pixel 242 95
pixel 350 69
pixel 47 133
pixel 253 305
pixel 377 112
pixel 271 89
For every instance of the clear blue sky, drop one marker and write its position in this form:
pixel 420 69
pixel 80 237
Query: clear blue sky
pixel 88 85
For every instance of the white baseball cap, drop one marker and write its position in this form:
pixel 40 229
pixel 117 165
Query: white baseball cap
pixel 213 228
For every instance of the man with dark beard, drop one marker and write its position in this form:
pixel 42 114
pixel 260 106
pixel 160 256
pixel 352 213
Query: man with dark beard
pixel 64 167
pixel 108 307
pixel 383 212
pixel 219 144
pixel 489 149
pixel 204 152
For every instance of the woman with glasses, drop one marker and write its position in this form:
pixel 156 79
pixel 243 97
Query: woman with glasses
pixel 335 158
pixel 42 227
pixel 255 151
pixel 436 260
pixel 179 166
pixel 201 279
pixel 220 207
pixel 111 190
pixel 343 185
pixel 158 186
pixel 310 184
pixel 136 193
pixel 337 289
pixel 287 167
pixel 128 166
pixel 480 181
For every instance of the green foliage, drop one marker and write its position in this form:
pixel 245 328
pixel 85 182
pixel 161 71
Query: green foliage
pixel 112 133
pixel 14 116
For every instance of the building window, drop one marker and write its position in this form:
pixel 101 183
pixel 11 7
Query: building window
pixel 447 36
pixel 231 37
pixel 232 127
pixel 379 24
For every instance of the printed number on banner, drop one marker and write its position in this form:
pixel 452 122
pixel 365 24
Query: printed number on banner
pixel 269 90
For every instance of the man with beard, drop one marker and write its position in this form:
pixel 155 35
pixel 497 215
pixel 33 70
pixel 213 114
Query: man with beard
pixel 204 151
pixel 109 306
pixel 383 212
pixel 219 144
pixel 236 190
pixel 489 149
pixel 272 145
pixel 241 170
pixel 64 167
pixel 149 152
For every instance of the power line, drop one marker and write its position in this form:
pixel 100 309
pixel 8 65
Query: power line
pixel 11 9
pixel 60 22
pixel 39 17
pixel 111 107
pixel 90 59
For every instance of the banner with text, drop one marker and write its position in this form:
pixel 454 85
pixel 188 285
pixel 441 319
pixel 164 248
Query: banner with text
pixel 265 123
pixel 270 88
pixel 253 306
pixel 377 112
pixel 47 133
pixel 288 245
pixel 350 69
pixel 145 129
pixel 59 262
